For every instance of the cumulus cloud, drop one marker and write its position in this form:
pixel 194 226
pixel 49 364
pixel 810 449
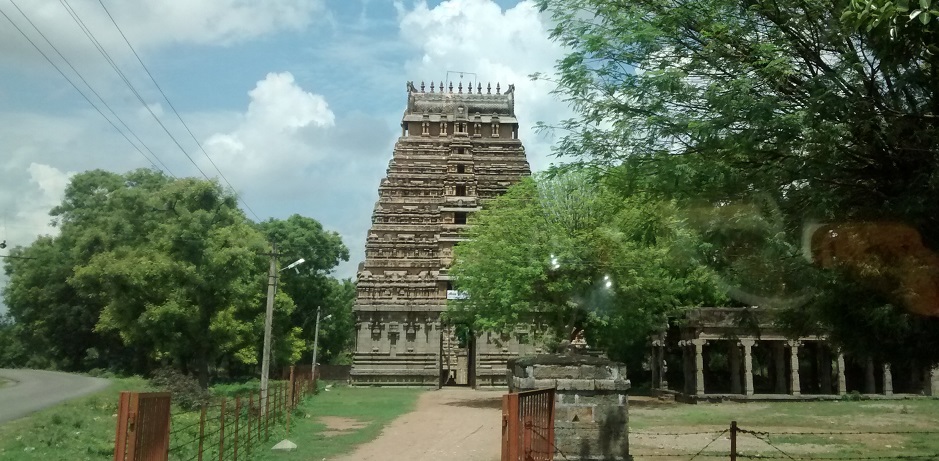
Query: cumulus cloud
pixel 499 46
pixel 275 133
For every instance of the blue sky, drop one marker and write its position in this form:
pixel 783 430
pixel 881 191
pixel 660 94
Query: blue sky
pixel 298 102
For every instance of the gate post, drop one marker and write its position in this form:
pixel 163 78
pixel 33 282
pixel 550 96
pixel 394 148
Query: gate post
pixel 143 427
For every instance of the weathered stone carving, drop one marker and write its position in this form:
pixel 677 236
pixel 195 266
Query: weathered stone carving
pixel 402 285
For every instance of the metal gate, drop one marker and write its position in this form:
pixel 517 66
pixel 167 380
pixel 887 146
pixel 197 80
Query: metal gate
pixel 528 426
pixel 143 427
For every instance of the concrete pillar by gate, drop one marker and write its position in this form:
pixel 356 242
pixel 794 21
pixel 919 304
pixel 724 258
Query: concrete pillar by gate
pixel 824 369
pixel 842 382
pixel 698 365
pixel 888 380
pixel 778 352
pixel 794 386
pixel 869 384
pixel 734 356
pixel 747 366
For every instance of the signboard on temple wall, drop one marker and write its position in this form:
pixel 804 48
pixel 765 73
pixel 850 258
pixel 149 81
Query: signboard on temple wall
pixel 457 294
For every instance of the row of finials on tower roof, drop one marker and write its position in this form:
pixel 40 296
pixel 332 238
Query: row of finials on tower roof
pixel 469 88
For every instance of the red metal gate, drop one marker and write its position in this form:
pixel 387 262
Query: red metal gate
pixel 143 427
pixel 528 426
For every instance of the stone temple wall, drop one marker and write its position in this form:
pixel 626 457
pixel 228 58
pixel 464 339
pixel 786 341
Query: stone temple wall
pixel 458 147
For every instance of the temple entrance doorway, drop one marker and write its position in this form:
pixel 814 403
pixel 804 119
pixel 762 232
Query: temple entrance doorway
pixel 457 355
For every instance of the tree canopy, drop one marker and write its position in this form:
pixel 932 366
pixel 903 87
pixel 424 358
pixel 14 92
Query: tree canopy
pixel 777 119
pixel 149 270
pixel 564 252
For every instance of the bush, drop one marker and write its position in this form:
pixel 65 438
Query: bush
pixel 184 388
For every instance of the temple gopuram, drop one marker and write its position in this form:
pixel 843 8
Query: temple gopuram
pixel 458 148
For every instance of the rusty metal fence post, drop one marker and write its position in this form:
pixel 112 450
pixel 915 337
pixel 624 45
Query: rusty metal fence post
pixel 528 426
pixel 143 427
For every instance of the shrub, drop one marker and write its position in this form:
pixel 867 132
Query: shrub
pixel 185 389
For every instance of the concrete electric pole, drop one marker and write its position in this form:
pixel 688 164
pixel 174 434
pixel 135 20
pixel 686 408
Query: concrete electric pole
pixel 268 320
pixel 316 339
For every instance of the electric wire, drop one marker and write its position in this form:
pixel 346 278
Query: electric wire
pixel 62 73
pixel 170 104
pixel 100 99
pixel 77 19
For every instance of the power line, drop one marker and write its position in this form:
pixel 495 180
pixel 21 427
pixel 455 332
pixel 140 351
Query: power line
pixel 61 72
pixel 107 57
pixel 168 102
pixel 103 102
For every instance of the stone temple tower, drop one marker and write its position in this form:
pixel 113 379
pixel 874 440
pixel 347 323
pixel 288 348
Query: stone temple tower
pixel 458 148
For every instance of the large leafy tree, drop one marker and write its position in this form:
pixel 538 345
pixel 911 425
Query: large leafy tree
pixel 562 252
pixel 311 284
pixel 784 111
pixel 147 270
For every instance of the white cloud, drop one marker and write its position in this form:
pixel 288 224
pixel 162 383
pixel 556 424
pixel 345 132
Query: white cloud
pixel 150 24
pixel 275 133
pixel 499 45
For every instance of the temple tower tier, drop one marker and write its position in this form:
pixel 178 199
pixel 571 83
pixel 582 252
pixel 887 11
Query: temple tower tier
pixel 457 149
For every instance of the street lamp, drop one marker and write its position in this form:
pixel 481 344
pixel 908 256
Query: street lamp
pixel 268 320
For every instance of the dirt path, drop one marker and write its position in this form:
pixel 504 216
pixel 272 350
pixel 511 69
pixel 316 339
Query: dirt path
pixel 450 424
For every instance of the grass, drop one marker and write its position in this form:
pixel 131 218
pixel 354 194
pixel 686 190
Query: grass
pixel 373 408
pixel 78 430
pixel 875 428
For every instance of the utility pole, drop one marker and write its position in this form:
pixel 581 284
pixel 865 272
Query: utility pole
pixel 316 339
pixel 268 320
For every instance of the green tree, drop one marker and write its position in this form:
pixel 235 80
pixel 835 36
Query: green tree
pixel 781 110
pixel 562 252
pixel 311 284
pixel 147 270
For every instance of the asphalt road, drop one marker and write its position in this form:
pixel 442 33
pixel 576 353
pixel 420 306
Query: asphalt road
pixel 32 390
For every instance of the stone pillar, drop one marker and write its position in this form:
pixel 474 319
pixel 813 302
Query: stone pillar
pixel 654 365
pixel 734 357
pixel 931 384
pixel 591 419
pixel 747 365
pixel 687 366
pixel 842 382
pixel 698 365
pixel 870 385
pixel 794 386
pixel 778 351
pixel 888 380
pixel 824 368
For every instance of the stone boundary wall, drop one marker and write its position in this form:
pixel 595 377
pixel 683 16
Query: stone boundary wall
pixel 591 406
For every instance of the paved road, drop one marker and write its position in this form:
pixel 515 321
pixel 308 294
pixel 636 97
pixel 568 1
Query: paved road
pixel 32 390
pixel 449 424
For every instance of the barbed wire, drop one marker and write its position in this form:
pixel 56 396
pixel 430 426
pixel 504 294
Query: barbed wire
pixel 677 433
pixel 708 444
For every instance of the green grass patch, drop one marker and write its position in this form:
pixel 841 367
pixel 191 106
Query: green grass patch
pixel 77 430
pixel 829 429
pixel 364 412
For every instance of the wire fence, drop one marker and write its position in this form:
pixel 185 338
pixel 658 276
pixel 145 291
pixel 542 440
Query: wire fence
pixel 737 443
pixel 231 428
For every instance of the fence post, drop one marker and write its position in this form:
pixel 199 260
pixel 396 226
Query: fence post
pixel 201 430
pixel 733 441
pixel 221 432
pixel 250 426
pixel 237 416
pixel 267 416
